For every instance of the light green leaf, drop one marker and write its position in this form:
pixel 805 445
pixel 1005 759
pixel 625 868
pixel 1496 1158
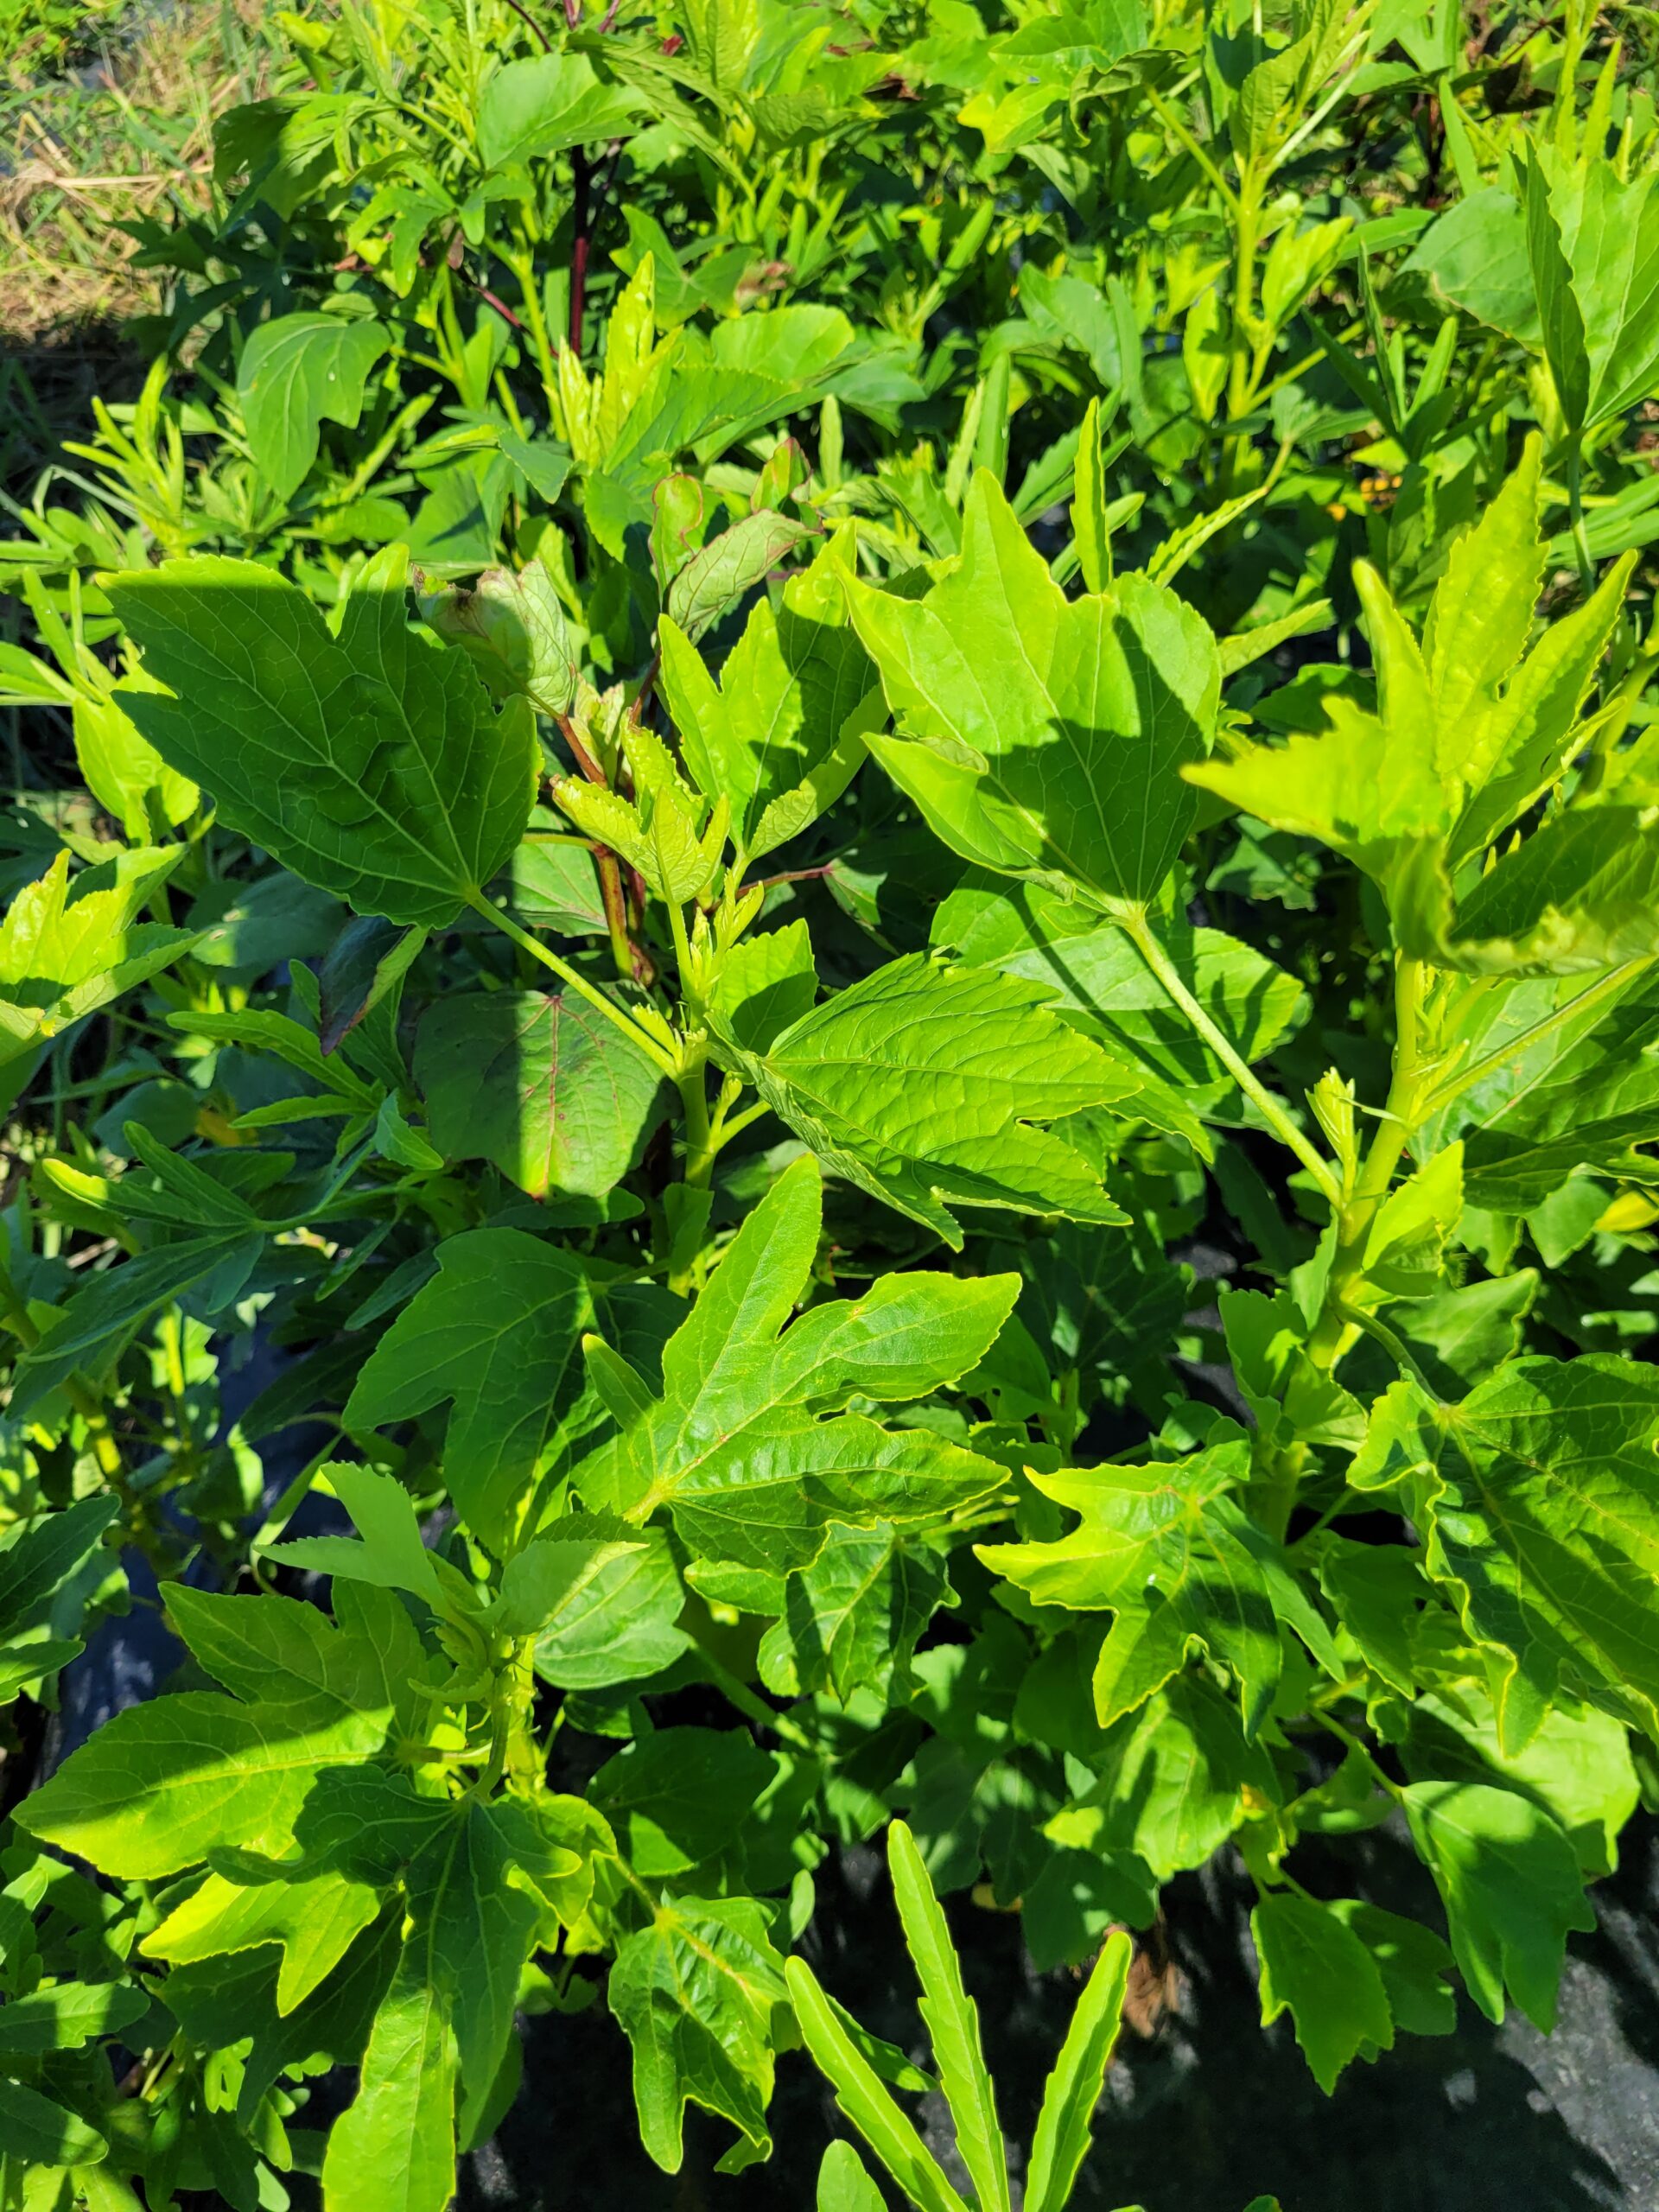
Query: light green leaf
pixel 1039 735
pixel 1171 1555
pixel 294 371
pixel 844 2183
pixel 543 1085
pixel 66 950
pixel 1317 1969
pixel 923 1085
pixel 862 2098
pixel 370 762
pixel 317 1921
pixel 1072 2090
pixel 162 1784
pixel 852 1617
pixel 1582 892
pixel 694 1993
pixel 1511 1887
pixel 389 1555
pixel 781 735
pixel 535 108
pixel 952 2023
pixel 748 1447
pixel 395 2145
pixel 617 1623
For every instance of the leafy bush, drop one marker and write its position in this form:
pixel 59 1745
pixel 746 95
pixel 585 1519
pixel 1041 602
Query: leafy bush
pixel 771 718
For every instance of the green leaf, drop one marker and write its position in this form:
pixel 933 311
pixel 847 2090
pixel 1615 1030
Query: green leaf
pixel 1169 1552
pixel 1474 257
pixel 390 1556
pixel 679 1795
pixel 1539 1498
pixel 543 1085
pixel 714 579
pixel 782 734
pixel 396 2144
pixel 952 2023
pixel 97 1323
pixel 66 2015
pixel 162 1784
pixel 38 1557
pixel 694 1993
pixel 1173 1783
pixel 859 2093
pixel 1072 2090
pixel 495 1333
pixel 1578 1767
pixel 1096 973
pixel 1582 892
pixel 1039 735
pixel 66 950
pixel 1413 1963
pixel 615 1621
pixel 844 2183
pixel 294 371
pixel 1510 1883
pixel 1317 1969
pixel 315 1921
pixel 748 1447
pixel 40 2131
pixel 369 761
pixel 923 1086
pixel 851 1618
pixel 535 108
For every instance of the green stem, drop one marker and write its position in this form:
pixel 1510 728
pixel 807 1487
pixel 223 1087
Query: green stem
pixel 1575 508
pixel 1462 1079
pixel 749 1702
pixel 631 1029
pixel 14 1311
pixel 1141 935
pixel 699 1150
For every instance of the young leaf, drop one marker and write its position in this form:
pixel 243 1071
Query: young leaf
pixel 952 2024
pixel 66 950
pixel 389 1555
pixel 862 2098
pixel 1072 2090
pixel 748 1447
pixel 368 761
pixel 1042 736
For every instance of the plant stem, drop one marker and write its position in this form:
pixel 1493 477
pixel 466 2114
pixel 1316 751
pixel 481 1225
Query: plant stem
pixel 1462 1079
pixel 631 1029
pixel 1139 930
pixel 699 1151
pixel 14 1311
pixel 1575 508
pixel 749 1702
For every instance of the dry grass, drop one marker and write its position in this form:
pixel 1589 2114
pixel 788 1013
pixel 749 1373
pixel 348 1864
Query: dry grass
pixel 129 136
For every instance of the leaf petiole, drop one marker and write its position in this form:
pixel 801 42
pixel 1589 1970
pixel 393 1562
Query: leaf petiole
pixel 631 1029
pixel 1134 925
